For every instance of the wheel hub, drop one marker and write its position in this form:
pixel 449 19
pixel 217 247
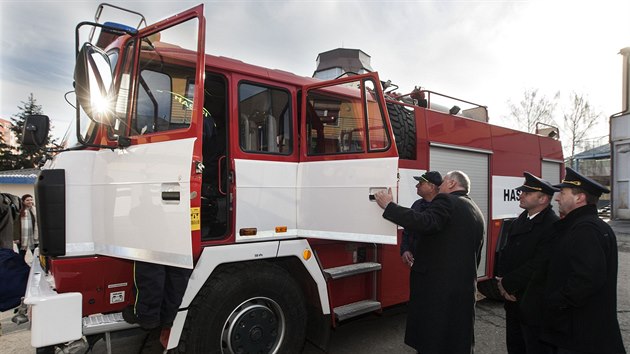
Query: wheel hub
pixel 256 326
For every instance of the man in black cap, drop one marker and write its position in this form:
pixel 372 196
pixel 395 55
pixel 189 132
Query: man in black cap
pixel 522 255
pixel 427 188
pixel 580 313
pixel 442 279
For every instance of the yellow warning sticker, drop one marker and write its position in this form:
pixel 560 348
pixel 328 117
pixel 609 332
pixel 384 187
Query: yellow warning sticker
pixel 195 219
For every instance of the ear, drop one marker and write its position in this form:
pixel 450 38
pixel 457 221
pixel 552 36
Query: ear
pixel 580 198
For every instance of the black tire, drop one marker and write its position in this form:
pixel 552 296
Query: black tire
pixel 404 129
pixel 246 308
pixel 45 350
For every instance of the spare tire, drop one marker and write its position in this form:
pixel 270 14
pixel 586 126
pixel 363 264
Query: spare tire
pixel 404 129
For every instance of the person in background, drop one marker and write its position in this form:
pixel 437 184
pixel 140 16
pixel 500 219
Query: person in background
pixel 25 233
pixel 443 276
pixel 580 305
pixel 427 188
pixel 9 211
pixel 523 254
pixel 13 269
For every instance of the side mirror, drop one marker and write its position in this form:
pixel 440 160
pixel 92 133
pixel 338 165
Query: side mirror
pixel 36 129
pixel 93 79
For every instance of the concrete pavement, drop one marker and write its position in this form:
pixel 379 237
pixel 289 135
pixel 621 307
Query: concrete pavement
pixel 16 339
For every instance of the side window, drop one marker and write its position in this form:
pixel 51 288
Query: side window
pixel 164 81
pixel 377 131
pixel 264 119
pixel 334 120
pixel 153 106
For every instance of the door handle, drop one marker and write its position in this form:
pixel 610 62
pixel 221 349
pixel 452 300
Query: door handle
pixel 373 191
pixel 170 196
pixel 170 192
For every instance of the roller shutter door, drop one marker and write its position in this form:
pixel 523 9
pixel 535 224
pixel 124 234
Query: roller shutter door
pixel 475 165
pixel 551 173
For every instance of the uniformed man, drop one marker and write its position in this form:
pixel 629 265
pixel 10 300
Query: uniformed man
pixel 522 255
pixel 580 314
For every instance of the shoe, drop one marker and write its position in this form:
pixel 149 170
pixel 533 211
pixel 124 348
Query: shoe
pixel 131 317
pixel 152 343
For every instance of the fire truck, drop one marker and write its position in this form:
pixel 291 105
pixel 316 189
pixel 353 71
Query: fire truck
pixel 273 210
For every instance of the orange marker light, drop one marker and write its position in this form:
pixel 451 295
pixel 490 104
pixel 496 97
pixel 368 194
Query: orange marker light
pixel 307 254
pixel 281 229
pixel 248 231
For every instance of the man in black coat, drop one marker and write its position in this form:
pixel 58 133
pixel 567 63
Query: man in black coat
pixel 524 253
pixel 443 276
pixel 580 314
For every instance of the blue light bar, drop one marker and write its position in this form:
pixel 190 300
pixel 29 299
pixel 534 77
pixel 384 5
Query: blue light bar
pixel 120 27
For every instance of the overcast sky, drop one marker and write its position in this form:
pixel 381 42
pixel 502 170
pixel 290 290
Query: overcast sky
pixel 487 52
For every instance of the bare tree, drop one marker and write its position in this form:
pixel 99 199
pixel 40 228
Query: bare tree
pixel 578 122
pixel 533 108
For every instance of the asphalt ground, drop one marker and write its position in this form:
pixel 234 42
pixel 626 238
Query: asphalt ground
pixel 381 333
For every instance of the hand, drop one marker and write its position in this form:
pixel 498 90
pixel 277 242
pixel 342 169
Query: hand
pixel 384 198
pixel 503 292
pixel 407 258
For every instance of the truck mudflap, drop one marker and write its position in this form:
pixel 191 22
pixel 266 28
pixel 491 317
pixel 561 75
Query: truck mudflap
pixel 50 310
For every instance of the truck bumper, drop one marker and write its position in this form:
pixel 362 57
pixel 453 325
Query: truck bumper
pixel 55 318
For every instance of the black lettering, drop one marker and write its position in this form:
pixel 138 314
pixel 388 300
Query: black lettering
pixel 510 195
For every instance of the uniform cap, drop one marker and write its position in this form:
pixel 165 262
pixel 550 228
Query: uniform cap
pixel 535 184
pixel 430 176
pixel 573 179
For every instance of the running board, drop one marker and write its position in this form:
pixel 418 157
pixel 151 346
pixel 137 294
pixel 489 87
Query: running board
pixel 99 323
pixel 351 269
pixel 355 309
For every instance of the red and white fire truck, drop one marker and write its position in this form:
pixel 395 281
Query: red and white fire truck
pixel 273 213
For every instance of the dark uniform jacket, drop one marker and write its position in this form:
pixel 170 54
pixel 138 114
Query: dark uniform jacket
pixel 443 276
pixel 581 294
pixel 524 253
pixel 409 239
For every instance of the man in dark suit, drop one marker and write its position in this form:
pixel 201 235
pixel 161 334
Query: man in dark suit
pixel 427 188
pixel 580 314
pixel 527 242
pixel 443 276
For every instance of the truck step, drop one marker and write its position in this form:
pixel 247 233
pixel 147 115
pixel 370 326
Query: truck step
pixel 100 323
pixel 351 269
pixel 355 309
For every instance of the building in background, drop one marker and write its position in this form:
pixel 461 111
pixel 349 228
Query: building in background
pixel 5 131
pixel 19 182
pixel 620 147
pixel 595 164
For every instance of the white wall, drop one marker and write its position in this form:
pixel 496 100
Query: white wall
pixel 18 189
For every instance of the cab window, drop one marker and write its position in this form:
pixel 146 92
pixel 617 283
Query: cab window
pixel 264 119
pixel 345 119
pixel 334 120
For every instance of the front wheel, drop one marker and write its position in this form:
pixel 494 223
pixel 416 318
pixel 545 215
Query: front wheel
pixel 246 308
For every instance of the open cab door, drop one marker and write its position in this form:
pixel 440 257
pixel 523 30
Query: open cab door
pixel 347 153
pixel 145 200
